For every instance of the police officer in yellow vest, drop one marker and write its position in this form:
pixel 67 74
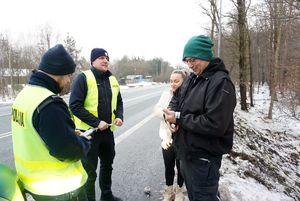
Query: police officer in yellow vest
pixel 47 150
pixel 97 103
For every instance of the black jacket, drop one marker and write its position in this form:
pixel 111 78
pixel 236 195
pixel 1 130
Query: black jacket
pixel 53 123
pixel 78 95
pixel 206 104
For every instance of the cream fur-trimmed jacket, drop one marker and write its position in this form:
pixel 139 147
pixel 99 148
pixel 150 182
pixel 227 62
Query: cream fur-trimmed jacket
pixel 163 103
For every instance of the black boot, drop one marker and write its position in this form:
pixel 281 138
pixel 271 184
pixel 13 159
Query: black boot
pixel 114 198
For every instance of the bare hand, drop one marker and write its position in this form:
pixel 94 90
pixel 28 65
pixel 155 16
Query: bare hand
pixel 78 132
pixel 118 122
pixel 169 115
pixel 172 127
pixel 103 125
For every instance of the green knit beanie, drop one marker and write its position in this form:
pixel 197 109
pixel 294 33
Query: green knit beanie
pixel 198 47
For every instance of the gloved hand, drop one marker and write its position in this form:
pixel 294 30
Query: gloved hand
pixel 166 142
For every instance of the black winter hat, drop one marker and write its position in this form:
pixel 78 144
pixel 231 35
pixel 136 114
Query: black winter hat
pixel 57 61
pixel 98 52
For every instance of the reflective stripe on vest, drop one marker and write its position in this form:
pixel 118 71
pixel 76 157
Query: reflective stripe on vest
pixel 91 100
pixel 39 172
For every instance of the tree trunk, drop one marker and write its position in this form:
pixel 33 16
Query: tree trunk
pixel 276 50
pixel 2 86
pixel 212 29
pixel 242 53
pixel 212 13
pixel 283 69
pixel 250 69
pixel 11 73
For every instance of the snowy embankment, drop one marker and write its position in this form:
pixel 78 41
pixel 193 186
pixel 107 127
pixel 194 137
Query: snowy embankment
pixel 264 162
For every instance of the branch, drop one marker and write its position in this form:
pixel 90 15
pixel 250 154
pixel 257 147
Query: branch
pixel 291 3
pixel 234 3
pixel 205 11
pixel 248 7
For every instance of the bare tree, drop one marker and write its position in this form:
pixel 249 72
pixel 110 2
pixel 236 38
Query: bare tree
pixel 241 7
pixel 250 68
pixel 9 52
pixel 46 38
pixel 213 13
pixel 70 44
pixel 7 68
pixel 4 46
pixel 276 9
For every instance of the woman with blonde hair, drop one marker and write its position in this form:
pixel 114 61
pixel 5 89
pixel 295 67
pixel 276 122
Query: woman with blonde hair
pixel 176 79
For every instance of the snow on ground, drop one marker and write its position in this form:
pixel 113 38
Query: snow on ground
pixel 250 190
pixel 6 101
pixel 264 162
pixel 281 122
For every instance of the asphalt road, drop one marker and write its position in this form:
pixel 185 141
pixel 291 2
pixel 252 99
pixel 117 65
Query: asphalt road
pixel 138 162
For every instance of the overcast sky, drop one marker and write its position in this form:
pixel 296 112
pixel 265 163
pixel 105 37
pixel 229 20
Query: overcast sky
pixel 144 28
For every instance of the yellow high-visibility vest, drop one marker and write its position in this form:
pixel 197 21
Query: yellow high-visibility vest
pixel 39 172
pixel 9 187
pixel 91 100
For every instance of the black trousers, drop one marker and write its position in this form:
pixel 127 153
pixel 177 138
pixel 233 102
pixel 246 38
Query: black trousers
pixel 201 176
pixel 103 147
pixel 170 161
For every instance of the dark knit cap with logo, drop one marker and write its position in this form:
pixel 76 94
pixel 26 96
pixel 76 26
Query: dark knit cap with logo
pixel 98 52
pixel 198 47
pixel 57 61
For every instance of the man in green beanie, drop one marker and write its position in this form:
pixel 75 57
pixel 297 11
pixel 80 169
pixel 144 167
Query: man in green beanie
pixel 202 108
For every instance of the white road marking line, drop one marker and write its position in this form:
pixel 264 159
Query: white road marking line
pixel 7 114
pixel 3 135
pixel 118 139
pixel 126 134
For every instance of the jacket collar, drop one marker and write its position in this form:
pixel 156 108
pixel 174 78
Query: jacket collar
pixel 43 80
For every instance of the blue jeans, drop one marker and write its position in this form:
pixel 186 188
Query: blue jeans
pixel 76 195
pixel 201 176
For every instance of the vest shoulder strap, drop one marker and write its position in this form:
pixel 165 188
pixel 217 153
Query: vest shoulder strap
pixel 47 101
